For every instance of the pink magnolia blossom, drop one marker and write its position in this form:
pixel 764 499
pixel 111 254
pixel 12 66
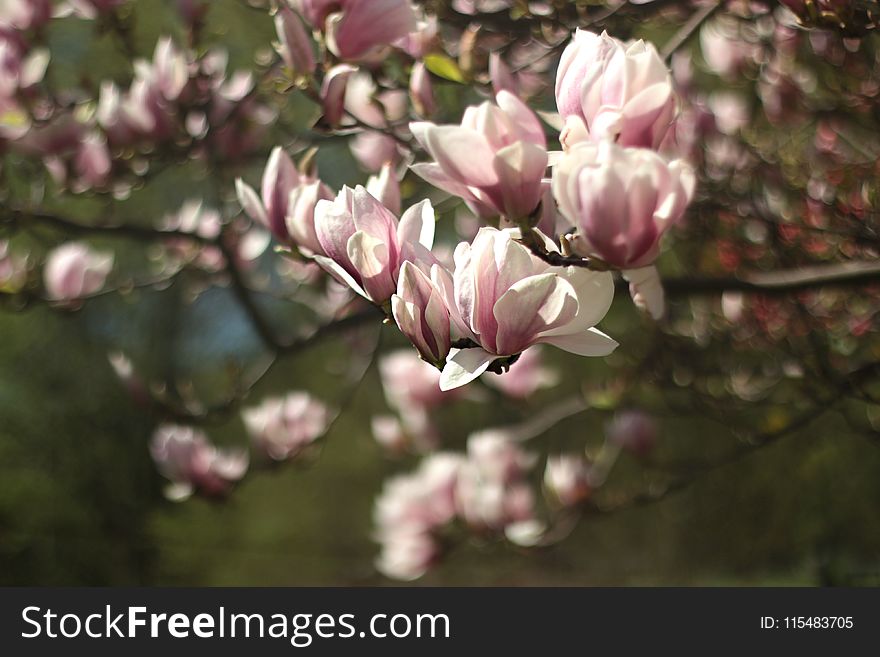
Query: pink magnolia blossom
pixel 621 200
pixel 567 478
pixel 286 205
pixel 282 427
pixel 186 457
pixel 364 243
pixel 74 271
pixel 295 46
pixel 494 160
pixel 606 89
pixel 509 300
pixel 421 309
pixel 361 29
pixel 333 93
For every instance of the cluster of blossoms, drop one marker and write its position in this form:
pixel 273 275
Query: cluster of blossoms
pixel 487 492
pixel 503 292
pixel 282 429
pixel 485 489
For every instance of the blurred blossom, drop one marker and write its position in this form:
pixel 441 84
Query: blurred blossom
pixel 724 46
pixel 412 389
pixel 13 269
pixel 621 200
pixel 501 76
pixel 390 434
pixel 422 40
pixel 186 457
pixel 74 271
pixel 487 488
pixel 373 150
pixel 92 8
pixel 359 30
pixel 364 243
pixel 495 160
pixel 134 385
pixel 410 383
pixel 286 205
pixel 386 188
pixel 731 111
pixel 525 377
pixel 509 300
pixel 421 90
pixel 606 89
pixel 567 478
pixel 295 46
pixel 634 431
pixel 25 14
pixel 409 513
pixel 92 162
pixel 283 427
pixel 491 491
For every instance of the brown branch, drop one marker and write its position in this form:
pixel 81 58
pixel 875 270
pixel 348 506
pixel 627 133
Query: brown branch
pixel 687 30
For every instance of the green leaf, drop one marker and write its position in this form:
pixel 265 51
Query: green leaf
pixel 444 67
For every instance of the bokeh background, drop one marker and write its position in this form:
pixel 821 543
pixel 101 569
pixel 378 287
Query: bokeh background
pixel 81 501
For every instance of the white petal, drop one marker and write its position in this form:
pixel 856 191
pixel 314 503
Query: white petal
pixel 588 343
pixel 463 366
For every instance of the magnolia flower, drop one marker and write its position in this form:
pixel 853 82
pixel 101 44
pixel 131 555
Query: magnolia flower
pixel 187 458
pixel 621 200
pixel 361 29
pixel 282 427
pixel 606 89
pixel 364 243
pixel 494 160
pixel 421 309
pixel 509 300
pixel 333 93
pixel 567 478
pixel 73 271
pixel 287 202
pixel 295 47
